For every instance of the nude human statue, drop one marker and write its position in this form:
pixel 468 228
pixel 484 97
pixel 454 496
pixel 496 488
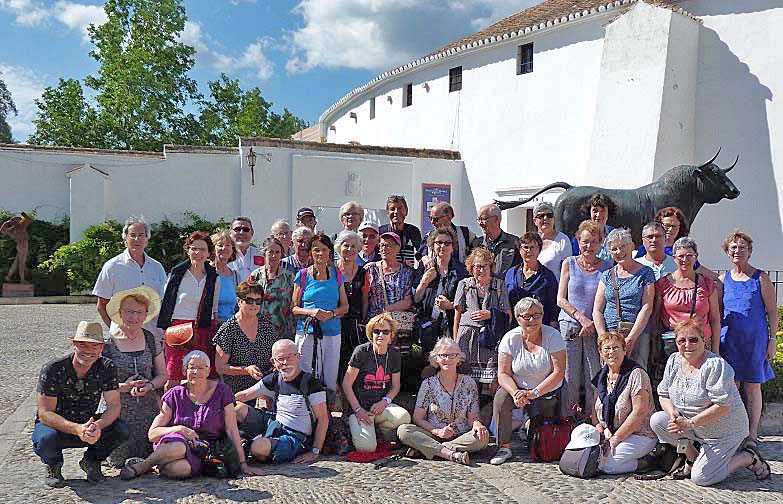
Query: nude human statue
pixel 16 228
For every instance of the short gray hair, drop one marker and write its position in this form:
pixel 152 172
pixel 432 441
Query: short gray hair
pixel 543 205
pixel 346 236
pixel 136 220
pixel 621 235
pixel 652 225
pixel 302 232
pixel 494 211
pixel 442 345
pixel 278 224
pixel 351 205
pixel 685 242
pixel 525 304
pixel 195 354
pixel 281 343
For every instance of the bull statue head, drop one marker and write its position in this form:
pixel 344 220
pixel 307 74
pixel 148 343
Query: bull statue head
pixel 715 182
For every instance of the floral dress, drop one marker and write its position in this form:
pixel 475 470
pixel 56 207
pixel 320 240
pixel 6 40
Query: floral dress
pixel 278 294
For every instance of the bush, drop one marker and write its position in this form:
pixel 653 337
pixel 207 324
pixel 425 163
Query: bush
pixel 83 260
pixel 45 238
pixel 773 389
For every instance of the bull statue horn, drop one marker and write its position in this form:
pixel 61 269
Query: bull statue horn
pixel 711 160
pixel 727 170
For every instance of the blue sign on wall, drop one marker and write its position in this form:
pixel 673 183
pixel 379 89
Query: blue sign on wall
pixel 430 195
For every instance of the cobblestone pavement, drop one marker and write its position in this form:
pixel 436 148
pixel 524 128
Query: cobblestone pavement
pixel 330 479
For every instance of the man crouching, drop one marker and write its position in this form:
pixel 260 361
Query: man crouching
pixel 289 431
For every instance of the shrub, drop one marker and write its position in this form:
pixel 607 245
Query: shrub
pixel 773 389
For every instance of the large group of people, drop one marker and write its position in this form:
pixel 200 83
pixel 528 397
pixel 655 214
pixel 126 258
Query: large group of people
pixel 252 349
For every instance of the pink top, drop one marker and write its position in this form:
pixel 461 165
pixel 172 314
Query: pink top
pixel 677 302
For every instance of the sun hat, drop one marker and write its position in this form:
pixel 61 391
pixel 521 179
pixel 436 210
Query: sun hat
pixel 393 236
pixel 113 306
pixel 368 225
pixel 584 436
pixel 90 332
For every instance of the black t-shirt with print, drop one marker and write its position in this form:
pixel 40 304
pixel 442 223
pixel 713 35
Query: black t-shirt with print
pixel 77 398
pixel 375 372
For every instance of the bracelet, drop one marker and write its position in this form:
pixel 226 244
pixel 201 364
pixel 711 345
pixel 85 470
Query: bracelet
pixel 357 409
pixel 388 400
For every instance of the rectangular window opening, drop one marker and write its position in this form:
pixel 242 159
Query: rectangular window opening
pixel 455 79
pixel 372 108
pixel 525 59
pixel 407 95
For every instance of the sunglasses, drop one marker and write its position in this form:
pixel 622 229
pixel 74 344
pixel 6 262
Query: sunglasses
pixel 546 215
pixel 257 301
pixel 442 243
pixel 378 332
pixel 692 340
pixel 242 229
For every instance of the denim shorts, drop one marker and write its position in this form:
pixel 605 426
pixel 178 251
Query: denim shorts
pixel 286 443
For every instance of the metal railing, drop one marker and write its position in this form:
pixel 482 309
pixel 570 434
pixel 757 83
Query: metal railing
pixel 777 280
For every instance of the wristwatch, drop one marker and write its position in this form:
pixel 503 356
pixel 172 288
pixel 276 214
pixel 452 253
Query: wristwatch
pixel 388 400
pixel 316 450
pixel 536 392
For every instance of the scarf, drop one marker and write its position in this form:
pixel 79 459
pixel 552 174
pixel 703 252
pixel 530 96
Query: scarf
pixel 609 399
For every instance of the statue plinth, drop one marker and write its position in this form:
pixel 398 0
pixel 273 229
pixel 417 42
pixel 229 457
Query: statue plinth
pixel 18 290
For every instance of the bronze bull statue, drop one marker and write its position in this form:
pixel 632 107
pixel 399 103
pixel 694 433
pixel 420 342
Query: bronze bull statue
pixel 686 187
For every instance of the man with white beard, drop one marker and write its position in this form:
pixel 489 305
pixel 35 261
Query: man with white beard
pixel 294 432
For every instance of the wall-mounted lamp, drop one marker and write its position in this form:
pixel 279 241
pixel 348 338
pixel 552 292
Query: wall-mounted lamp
pixel 352 115
pixel 251 162
pixel 389 99
pixel 426 86
pixel 333 128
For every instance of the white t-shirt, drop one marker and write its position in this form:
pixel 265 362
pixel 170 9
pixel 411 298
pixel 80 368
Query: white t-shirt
pixel 530 369
pixel 189 297
pixel 558 251
pixel 245 264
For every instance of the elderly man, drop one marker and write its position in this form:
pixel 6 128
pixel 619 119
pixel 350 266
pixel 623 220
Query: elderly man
pixel 248 256
pixel 289 433
pixel 503 245
pixel 132 268
pixel 69 390
pixel 306 217
pixel 368 232
pixel 656 258
pixel 442 214
pixel 283 232
pixel 410 235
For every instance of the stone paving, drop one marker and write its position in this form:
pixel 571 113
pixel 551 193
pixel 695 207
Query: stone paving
pixel 29 336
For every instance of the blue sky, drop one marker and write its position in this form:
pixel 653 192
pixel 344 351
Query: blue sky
pixel 303 54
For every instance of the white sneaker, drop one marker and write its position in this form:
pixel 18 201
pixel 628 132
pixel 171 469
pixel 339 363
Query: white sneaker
pixel 501 456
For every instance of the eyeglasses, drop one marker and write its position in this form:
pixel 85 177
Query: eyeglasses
pixel 378 332
pixel 482 220
pixel 443 243
pixel 669 227
pixel 387 245
pixel 134 312
pixel 435 218
pixel 685 257
pixel 282 234
pixel 737 248
pixel 481 266
pixel 196 368
pixel 200 250
pixel 136 236
pixel 531 316
pixel 546 215
pixel 652 237
pixel 351 214
pixel 242 229
pixel 253 300
pixel 692 341
pixel 613 348
pixel 283 358
pixel 447 356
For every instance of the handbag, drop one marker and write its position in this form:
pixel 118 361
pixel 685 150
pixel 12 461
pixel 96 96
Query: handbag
pixel 549 436
pixel 581 462
pixel 623 327
pixel 180 334
pixel 219 459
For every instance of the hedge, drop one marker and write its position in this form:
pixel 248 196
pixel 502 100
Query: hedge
pixel 773 389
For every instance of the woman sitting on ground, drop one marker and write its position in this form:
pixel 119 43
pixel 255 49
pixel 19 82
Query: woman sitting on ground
pixel 701 403
pixel 446 419
pixel 622 408
pixel 201 409
pixel 371 383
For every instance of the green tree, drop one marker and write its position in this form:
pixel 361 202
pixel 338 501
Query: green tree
pixel 7 106
pixel 142 83
pixel 66 118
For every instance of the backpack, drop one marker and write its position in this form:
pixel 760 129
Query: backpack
pixel 581 462
pixel 548 437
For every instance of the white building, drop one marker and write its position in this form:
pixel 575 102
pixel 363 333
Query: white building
pixel 605 93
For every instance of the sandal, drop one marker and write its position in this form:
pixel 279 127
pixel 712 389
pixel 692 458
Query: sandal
pixel 462 458
pixel 413 453
pixel 684 472
pixel 762 472
pixel 129 471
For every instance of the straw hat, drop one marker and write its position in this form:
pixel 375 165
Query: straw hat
pixel 113 307
pixel 90 332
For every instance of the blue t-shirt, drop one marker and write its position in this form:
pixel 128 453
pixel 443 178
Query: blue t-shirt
pixel 227 297
pixel 631 290
pixel 323 294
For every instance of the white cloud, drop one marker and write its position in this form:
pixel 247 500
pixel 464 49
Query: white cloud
pixel 382 34
pixel 79 17
pixel 27 12
pixel 251 59
pixel 25 87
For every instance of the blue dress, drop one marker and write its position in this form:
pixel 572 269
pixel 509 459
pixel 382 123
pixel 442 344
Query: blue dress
pixel 744 332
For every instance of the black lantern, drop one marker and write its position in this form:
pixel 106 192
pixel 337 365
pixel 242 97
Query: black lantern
pixel 251 162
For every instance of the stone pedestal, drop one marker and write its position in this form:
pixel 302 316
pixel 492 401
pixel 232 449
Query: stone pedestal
pixel 18 290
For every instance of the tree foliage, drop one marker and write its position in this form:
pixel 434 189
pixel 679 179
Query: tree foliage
pixel 7 106
pixel 66 118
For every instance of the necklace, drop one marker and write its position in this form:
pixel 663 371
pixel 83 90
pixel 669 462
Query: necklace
pixel 588 267
pixel 385 364
pixel 451 396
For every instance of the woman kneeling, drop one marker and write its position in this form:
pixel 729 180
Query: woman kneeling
pixel 446 418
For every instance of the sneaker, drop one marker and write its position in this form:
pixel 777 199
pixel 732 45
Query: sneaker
pixel 93 470
pixel 501 456
pixel 54 475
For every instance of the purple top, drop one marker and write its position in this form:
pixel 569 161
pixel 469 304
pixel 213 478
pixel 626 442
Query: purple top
pixel 206 419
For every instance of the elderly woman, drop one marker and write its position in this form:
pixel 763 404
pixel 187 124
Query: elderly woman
pixel 555 247
pixel 141 369
pixel 277 286
pixel 446 420
pixel 622 409
pixel 436 287
pixel 701 403
pixel 479 298
pixel 389 279
pixel 600 208
pixel 319 297
pixel 531 365
pixel 409 235
pixel 225 252
pixel 243 344
pixel 191 297
pixel 579 279
pixel 624 299
pixel 675 301
pixel 200 410
pixel 281 230
pixel 750 322
pixel 530 278
pixel 351 215
pixel 357 290
pixel 371 383
pixel 301 257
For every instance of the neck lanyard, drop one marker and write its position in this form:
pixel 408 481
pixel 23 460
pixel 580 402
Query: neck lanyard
pixel 385 364
pixel 451 396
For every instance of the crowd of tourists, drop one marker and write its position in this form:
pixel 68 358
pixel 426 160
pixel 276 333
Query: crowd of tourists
pixel 246 354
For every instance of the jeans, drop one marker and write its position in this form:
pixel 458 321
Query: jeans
pixel 286 443
pixel 582 363
pixel 48 442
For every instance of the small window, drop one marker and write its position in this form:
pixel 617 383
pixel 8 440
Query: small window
pixel 372 108
pixel 407 95
pixel 525 59
pixel 455 79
